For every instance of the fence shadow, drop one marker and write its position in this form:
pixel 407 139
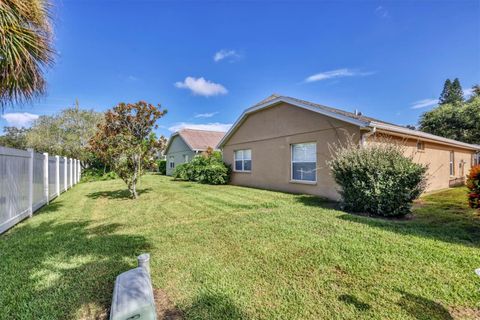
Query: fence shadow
pixel 60 269
pixel 122 194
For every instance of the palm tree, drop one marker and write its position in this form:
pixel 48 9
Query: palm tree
pixel 25 49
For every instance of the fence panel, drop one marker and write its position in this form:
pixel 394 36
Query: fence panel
pixel 52 177
pixel 39 198
pixel 62 175
pixel 14 186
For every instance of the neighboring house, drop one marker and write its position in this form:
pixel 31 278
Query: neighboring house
pixel 187 143
pixel 282 143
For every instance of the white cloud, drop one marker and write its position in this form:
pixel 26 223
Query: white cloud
pixel 214 126
pixel 202 87
pixel 382 12
pixel 205 115
pixel 223 54
pixel 467 92
pixel 19 119
pixel 424 103
pixel 338 73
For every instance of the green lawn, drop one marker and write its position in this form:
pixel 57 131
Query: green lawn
pixel 225 252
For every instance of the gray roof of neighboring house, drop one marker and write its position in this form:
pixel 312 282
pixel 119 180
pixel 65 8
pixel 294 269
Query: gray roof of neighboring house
pixel 198 140
pixel 350 117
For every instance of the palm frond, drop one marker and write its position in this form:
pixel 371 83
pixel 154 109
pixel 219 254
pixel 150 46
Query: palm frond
pixel 25 49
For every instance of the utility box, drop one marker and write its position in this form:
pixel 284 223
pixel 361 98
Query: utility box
pixel 133 295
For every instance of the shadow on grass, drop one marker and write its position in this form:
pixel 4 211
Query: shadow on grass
pixel 352 300
pixel 423 309
pixel 315 201
pixel 116 194
pixel 214 306
pixel 55 270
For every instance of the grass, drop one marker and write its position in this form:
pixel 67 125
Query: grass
pixel 226 252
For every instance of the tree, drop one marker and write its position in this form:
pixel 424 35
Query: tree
pixel 126 142
pixel 67 133
pixel 475 92
pixel 452 92
pixel 459 122
pixel 25 49
pixel 14 137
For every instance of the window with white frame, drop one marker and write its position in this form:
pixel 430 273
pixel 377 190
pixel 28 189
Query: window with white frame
pixel 243 160
pixel 304 162
pixel 420 145
pixel 185 158
pixel 171 162
pixel 452 163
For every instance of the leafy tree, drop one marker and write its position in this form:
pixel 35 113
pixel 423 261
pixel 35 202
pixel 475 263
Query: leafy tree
pixel 452 92
pixel 459 122
pixel 67 133
pixel 475 92
pixel 25 48
pixel 14 137
pixel 125 140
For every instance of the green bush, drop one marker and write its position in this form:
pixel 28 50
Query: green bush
pixel 97 174
pixel 378 178
pixel 162 166
pixel 206 168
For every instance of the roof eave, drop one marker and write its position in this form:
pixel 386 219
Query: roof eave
pixel 424 135
pixel 357 122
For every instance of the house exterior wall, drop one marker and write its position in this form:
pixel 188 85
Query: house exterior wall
pixel 270 132
pixel 178 150
pixel 437 157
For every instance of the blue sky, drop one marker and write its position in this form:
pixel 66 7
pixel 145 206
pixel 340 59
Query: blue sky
pixel 207 61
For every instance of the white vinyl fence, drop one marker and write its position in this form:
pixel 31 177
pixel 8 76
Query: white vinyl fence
pixel 29 180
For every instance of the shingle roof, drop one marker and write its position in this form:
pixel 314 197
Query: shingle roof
pixel 357 119
pixel 201 139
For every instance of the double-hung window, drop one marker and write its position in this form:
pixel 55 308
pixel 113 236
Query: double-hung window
pixel 243 160
pixel 452 163
pixel 304 162
pixel 171 162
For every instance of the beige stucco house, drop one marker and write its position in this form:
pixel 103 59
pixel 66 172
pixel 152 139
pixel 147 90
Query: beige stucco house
pixel 282 143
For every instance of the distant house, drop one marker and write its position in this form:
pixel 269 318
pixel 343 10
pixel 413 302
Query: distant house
pixel 282 143
pixel 187 143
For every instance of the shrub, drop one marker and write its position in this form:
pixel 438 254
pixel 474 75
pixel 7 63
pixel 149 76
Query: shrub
pixel 97 174
pixel 377 178
pixel 206 168
pixel 162 166
pixel 473 185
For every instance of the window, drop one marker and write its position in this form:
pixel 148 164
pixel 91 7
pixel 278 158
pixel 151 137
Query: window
pixel 171 162
pixel 304 162
pixel 452 163
pixel 420 145
pixel 185 158
pixel 243 160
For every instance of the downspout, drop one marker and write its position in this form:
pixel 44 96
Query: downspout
pixel 365 135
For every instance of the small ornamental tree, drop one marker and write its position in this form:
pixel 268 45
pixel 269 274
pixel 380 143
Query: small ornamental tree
pixel 473 185
pixel 125 140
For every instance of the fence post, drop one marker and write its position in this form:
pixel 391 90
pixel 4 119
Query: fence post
pixel 79 170
pixel 70 171
pixel 45 175
pixel 57 175
pixel 75 170
pixel 65 175
pixel 30 182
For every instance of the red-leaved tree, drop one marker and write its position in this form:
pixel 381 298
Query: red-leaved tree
pixel 126 142
pixel 473 185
